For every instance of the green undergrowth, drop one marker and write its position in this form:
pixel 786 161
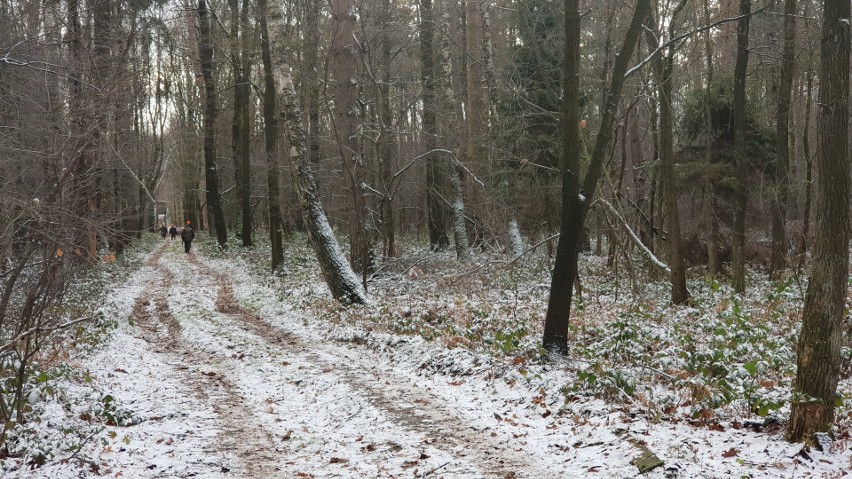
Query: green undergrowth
pixel 723 357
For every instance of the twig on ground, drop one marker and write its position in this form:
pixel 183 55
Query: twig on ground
pixel 433 470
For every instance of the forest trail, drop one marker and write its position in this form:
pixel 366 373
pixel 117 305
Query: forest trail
pixel 285 406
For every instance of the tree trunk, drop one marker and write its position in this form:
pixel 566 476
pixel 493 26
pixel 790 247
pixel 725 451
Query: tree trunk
pixel 243 89
pixel 779 209
pixel 575 202
pixel 339 276
pixel 214 200
pixel 386 139
pixel 806 147
pixel 712 232
pixel 312 84
pixel 435 172
pixel 819 359
pixel 455 167
pixel 741 195
pixel 239 143
pixel 345 130
pixel 663 69
pixel 270 135
pixel 474 100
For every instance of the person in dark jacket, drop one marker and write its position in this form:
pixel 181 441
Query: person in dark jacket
pixel 163 231
pixel 173 232
pixel 187 235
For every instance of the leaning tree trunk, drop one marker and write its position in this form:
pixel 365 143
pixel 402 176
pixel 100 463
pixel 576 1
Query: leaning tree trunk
pixel 782 128
pixel 270 135
pixel 214 200
pixel 741 196
pixel 339 276
pixel 575 202
pixel 819 359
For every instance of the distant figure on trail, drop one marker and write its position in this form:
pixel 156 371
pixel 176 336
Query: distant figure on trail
pixel 187 235
pixel 173 232
pixel 164 231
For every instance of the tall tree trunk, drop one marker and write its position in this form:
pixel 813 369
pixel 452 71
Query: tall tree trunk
pixel 575 201
pixel 454 165
pixel 243 89
pixel 214 200
pixel 345 130
pixel 663 69
pixel 474 100
pixel 779 208
pixel 79 163
pixel 741 195
pixel 435 173
pixel 240 110
pixel 712 232
pixel 819 359
pixel 386 139
pixel 270 135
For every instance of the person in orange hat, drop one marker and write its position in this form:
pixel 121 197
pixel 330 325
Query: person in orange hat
pixel 187 235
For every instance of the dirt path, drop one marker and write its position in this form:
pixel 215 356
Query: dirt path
pixel 406 404
pixel 240 435
pixel 284 406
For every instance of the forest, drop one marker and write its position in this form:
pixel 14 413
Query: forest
pixel 606 225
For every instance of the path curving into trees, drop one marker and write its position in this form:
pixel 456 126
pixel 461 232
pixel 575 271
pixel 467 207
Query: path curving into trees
pixel 284 406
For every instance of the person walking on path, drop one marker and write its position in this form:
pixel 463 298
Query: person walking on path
pixel 163 231
pixel 173 232
pixel 187 235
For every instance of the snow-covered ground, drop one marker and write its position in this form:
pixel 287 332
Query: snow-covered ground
pixel 217 371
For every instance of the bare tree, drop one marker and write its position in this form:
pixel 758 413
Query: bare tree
pixel 575 201
pixel 270 134
pixel 782 170
pixel 818 352
pixel 663 67
pixel 214 200
pixel 435 173
pixel 741 174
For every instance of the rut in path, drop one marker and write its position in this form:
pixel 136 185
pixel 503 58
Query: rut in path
pixel 406 404
pixel 240 435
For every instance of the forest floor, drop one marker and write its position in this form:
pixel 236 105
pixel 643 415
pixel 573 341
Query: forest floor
pixel 210 367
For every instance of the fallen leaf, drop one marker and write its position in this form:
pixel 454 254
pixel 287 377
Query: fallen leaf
pixel 730 452
pixel 338 460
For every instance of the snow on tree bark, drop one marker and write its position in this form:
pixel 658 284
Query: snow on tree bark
pixel 456 169
pixel 341 280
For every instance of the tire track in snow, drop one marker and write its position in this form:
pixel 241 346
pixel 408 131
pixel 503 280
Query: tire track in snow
pixel 407 405
pixel 242 435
